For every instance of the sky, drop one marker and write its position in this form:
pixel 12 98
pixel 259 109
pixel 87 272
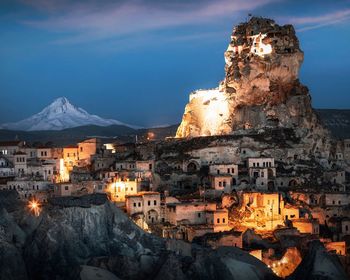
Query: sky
pixel 137 60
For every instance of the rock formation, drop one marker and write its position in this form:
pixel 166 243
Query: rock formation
pixel 77 237
pixel 319 264
pixel 260 90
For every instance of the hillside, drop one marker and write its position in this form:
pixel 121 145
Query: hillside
pixel 337 121
pixel 76 134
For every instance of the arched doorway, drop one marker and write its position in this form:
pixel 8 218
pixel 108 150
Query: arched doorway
pixel 152 216
pixel 271 185
pixel 192 167
pixel 292 183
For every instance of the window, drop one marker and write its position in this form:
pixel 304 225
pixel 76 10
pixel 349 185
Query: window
pixel 66 188
pixel 224 183
pixel 139 204
pixel 223 220
pixel 220 184
pixel 218 220
pixel 81 149
pixel 149 203
pixel 155 202
pixel 232 170
pixel 228 170
pixel 346 228
pixel 134 204
pixel 218 171
pixel 199 215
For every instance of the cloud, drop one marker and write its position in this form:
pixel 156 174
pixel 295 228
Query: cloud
pixel 79 22
pixel 313 22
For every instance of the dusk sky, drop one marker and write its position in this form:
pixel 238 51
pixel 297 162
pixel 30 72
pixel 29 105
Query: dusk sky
pixel 137 61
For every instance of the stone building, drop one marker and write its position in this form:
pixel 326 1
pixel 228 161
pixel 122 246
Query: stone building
pixel 145 204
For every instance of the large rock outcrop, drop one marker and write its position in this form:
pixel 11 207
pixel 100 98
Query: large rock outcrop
pixel 77 238
pixel 260 90
pixel 318 264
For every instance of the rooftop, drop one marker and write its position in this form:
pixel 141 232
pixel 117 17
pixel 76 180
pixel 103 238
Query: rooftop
pixel 10 143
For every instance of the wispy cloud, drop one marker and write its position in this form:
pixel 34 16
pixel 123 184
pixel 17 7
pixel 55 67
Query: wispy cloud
pixel 86 21
pixel 313 22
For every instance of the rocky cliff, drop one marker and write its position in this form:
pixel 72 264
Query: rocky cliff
pixel 77 238
pixel 260 90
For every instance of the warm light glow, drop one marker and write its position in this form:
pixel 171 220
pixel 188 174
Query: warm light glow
pixel 285 266
pixel 150 135
pixel 34 206
pixel 258 47
pixel 120 188
pixel 64 174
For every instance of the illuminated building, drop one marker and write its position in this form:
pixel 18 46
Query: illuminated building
pixel 119 189
pixel 146 205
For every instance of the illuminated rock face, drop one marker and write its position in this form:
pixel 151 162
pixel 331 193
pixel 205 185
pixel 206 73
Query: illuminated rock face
pixel 261 87
pixel 207 113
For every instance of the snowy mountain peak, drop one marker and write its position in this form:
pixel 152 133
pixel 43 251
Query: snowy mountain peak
pixel 60 114
pixel 60 102
pixel 62 105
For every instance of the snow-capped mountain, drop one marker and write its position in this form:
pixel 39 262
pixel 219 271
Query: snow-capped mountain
pixel 60 114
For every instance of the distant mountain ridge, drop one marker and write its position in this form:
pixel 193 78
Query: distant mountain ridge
pixel 59 115
pixel 337 121
pixel 73 135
